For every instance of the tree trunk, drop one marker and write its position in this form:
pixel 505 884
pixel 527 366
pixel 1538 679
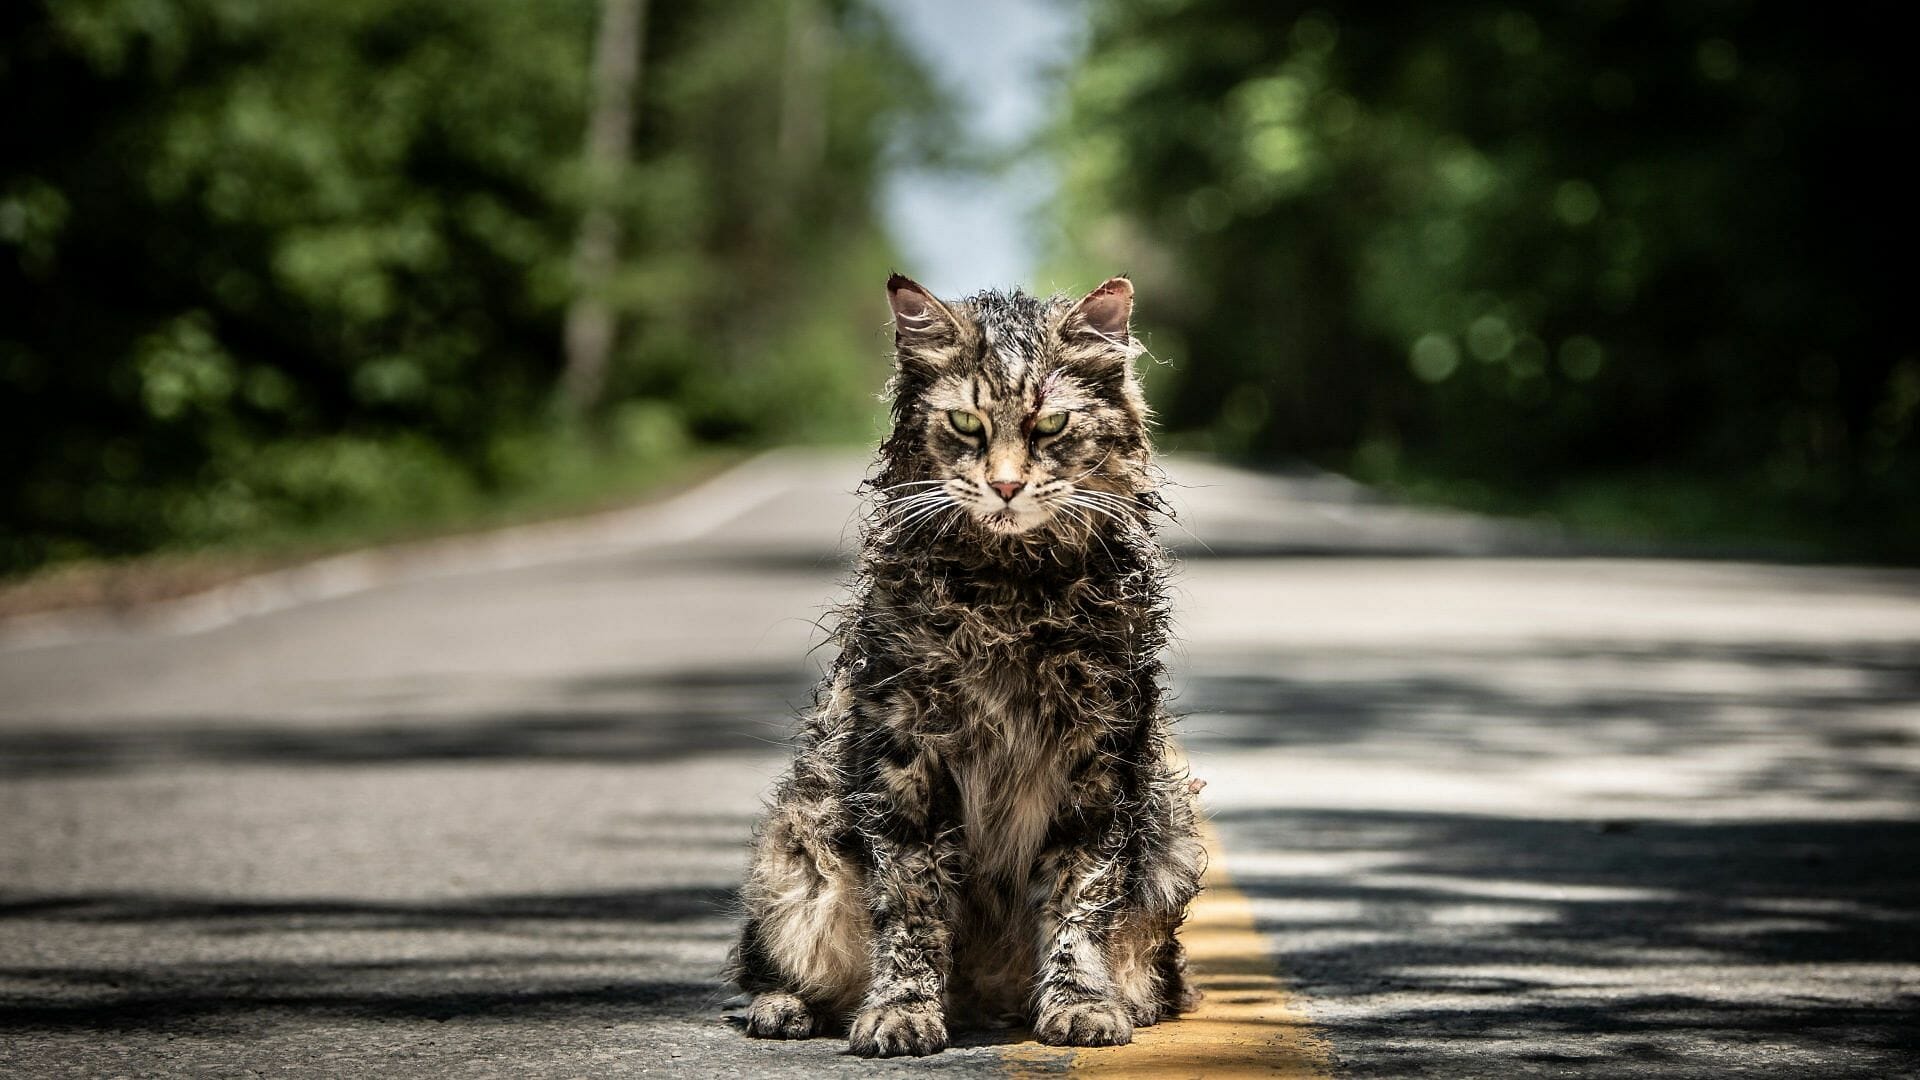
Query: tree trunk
pixel 802 135
pixel 591 324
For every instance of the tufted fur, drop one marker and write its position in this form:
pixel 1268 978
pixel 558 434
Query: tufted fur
pixel 981 823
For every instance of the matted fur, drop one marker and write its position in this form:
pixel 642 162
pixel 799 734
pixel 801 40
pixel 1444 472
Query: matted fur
pixel 982 823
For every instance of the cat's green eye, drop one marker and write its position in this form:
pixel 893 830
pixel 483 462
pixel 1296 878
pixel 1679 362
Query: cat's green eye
pixel 964 422
pixel 1050 424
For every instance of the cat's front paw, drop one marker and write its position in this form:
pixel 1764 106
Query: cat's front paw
pixel 1085 1023
pixel 779 1015
pixel 898 1030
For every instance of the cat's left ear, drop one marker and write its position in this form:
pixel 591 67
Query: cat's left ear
pixel 1105 312
pixel 922 326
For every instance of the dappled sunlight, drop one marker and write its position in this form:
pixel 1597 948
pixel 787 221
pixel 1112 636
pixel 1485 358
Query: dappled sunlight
pixel 1570 818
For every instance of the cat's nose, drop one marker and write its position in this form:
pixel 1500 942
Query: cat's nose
pixel 1007 488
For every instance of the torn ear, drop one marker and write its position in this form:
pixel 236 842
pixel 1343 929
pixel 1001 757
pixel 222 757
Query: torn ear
pixel 1105 311
pixel 918 318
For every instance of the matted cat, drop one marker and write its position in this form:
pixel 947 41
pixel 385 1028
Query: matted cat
pixel 982 825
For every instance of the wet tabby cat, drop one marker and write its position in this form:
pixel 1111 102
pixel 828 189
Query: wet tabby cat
pixel 981 823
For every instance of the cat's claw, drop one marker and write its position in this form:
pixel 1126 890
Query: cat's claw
pixel 1085 1023
pixel 779 1015
pixel 897 1031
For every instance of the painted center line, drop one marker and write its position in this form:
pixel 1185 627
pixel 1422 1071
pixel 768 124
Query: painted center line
pixel 1248 1026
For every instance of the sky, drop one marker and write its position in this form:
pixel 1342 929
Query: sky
pixel 960 234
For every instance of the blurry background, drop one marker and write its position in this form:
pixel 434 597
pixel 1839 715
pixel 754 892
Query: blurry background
pixel 286 277
pixel 280 277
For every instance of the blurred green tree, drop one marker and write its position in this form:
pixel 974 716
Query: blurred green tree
pixel 1533 253
pixel 267 264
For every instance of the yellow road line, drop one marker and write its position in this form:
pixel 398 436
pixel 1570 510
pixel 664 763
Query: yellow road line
pixel 1248 1026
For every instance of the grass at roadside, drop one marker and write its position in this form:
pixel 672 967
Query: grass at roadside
pixel 183 570
pixel 1691 515
pixel 1808 517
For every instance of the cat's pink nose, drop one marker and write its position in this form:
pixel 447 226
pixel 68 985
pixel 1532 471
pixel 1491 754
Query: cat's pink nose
pixel 1008 489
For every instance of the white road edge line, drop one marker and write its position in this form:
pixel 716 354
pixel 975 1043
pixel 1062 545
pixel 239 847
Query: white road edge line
pixel 684 517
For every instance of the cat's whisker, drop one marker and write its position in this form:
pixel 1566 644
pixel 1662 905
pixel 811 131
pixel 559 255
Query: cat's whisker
pixel 1094 532
pixel 906 527
pixel 1113 512
pixel 916 501
pixel 1134 510
pixel 1148 511
pixel 1086 523
pixel 910 484
pixel 1129 502
pixel 1093 468
pixel 1074 514
pixel 924 515
pixel 924 493
pixel 1154 511
pixel 928 521
pixel 948 527
pixel 899 532
pixel 1133 502
pixel 1089 504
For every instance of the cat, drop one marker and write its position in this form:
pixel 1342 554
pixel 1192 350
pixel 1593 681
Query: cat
pixel 982 824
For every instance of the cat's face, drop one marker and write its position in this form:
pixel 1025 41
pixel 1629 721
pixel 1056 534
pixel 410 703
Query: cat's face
pixel 1024 413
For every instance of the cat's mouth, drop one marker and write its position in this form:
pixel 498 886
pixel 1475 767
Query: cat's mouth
pixel 1010 522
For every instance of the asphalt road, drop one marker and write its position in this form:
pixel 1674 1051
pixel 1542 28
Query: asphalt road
pixel 1500 808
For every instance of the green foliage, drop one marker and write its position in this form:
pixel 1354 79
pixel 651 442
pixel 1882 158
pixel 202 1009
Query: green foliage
pixel 271 264
pixel 1520 247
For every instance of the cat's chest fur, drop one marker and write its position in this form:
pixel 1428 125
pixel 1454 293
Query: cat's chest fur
pixel 1021 740
pixel 1011 777
pixel 1016 658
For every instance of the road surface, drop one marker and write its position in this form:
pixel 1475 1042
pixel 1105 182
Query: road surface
pixel 1489 806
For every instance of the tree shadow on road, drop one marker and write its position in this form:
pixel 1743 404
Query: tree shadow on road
pixel 1761 918
pixel 605 718
pixel 602 955
pixel 1426 941
pixel 1830 722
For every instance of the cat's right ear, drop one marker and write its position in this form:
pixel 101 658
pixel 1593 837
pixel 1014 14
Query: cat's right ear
pixel 923 328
